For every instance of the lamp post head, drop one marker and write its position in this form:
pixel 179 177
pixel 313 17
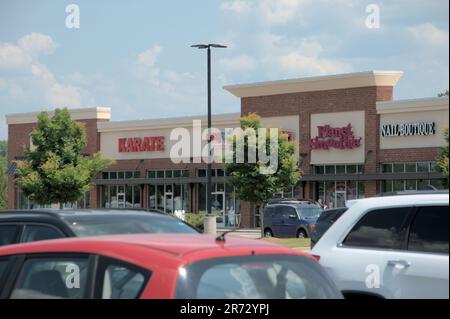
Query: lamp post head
pixel 207 46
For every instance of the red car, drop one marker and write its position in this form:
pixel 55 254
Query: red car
pixel 162 266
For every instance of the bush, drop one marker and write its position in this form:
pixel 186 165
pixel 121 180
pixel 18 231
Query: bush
pixel 195 220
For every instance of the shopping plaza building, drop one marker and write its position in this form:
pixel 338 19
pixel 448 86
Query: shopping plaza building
pixel 354 141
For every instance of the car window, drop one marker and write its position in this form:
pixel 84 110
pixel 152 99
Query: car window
pixel 268 212
pixel 52 278
pixel 379 229
pixel 288 211
pixel 122 224
pixel 40 232
pixel 3 265
pixel 8 234
pixel 429 230
pixel 120 280
pixel 254 277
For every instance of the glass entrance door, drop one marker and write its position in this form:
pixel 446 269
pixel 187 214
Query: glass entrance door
pixel 341 198
pixel 218 207
pixel 121 196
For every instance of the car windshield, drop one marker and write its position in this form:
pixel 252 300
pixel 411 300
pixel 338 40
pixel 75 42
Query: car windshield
pixel 255 277
pixel 310 212
pixel 126 224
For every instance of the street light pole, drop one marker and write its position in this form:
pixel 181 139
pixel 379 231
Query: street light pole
pixel 210 222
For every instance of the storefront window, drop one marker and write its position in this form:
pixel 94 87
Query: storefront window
pixel 386 168
pixel 160 174
pixel 399 186
pixel 152 196
pixel 411 168
pixel 411 185
pixel 330 170
pixel 340 169
pixel 399 168
pixel 160 197
pixel 351 169
pixel 387 186
pixel 423 167
pixel 320 170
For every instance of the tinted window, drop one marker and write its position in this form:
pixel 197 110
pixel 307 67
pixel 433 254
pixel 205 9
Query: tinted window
pixel 52 278
pixel 8 234
pixel 123 224
pixel 288 211
pixel 379 229
pixel 255 277
pixel 310 212
pixel 40 232
pixel 268 212
pixel 121 281
pixel 429 230
pixel 3 265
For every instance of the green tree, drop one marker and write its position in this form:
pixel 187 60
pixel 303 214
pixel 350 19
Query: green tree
pixel 446 93
pixel 56 170
pixel 252 185
pixel 442 160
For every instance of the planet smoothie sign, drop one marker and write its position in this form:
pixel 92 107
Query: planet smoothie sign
pixel 341 138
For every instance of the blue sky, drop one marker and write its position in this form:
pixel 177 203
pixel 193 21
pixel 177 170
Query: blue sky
pixel 134 56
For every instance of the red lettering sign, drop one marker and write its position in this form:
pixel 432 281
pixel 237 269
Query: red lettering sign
pixel 341 138
pixel 138 144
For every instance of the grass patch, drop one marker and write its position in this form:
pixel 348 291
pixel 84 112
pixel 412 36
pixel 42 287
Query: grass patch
pixel 291 242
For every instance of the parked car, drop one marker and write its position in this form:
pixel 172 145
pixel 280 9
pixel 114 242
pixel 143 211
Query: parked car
pixel 162 266
pixel 325 220
pixel 33 225
pixel 390 247
pixel 290 219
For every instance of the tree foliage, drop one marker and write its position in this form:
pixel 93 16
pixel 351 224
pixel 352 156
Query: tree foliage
pixel 442 160
pixel 56 171
pixel 253 186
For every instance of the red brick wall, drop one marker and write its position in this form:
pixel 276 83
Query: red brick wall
pixel 428 154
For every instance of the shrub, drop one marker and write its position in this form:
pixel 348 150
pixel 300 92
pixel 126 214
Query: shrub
pixel 195 220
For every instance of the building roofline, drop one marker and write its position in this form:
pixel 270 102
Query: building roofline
pixel 164 123
pixel 92 113
pixel 316 83
pixel 413 105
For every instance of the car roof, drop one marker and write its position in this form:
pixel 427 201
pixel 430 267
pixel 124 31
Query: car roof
pixel 293 204
pixel 399 200
pixel 57 213
pixel 137 248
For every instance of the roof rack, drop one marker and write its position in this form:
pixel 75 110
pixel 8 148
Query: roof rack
pixel 291 200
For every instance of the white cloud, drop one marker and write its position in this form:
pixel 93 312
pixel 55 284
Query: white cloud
pixel 241 62
pixel 12 57
pixel 37 43
pixel 148 57
pixel 237 6
pixel 269 12
pixel 279 11
pixel 429 34
pixel 25 55
pixel 286 56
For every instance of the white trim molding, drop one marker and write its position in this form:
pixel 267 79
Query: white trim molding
pixel 415 105
pixel 94 113
pixel 319 83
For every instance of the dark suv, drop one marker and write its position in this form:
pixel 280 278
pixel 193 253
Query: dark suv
pixel 19 226
pixel 290 219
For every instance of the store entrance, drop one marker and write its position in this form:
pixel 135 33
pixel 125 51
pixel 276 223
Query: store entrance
pixel 334 194
pixel 218 208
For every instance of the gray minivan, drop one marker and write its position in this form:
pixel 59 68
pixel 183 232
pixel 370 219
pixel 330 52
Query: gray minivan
pixel 290 219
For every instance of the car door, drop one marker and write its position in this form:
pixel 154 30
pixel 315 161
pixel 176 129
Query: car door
pixel 360 263
pixel 423 270
pixel 277 220
pixel 52 276
pixel 291 221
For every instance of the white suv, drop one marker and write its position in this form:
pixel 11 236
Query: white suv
pixel 390 247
